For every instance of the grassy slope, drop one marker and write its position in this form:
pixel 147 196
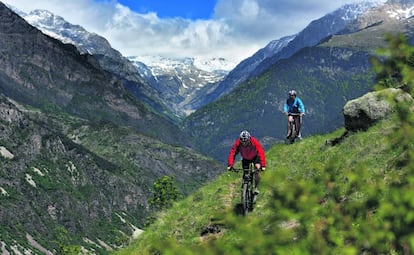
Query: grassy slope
pixel 306 188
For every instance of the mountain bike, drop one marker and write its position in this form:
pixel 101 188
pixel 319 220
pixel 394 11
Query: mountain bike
pixel 293 128
pixel 248 196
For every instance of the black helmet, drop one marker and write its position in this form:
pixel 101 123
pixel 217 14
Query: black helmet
pixel 244 136
pixel 292 92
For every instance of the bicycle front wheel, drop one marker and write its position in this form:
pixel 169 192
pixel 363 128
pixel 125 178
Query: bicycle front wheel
pixel 246 196
pixel 293 132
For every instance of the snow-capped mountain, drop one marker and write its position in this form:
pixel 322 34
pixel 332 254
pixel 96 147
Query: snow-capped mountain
pixel 392 10
pixel 174 80
pixel 319 29
pixel 239 74
pixel 186 84
pixel 214 68
pixel 109 59
pixel 182 79
pixel 58 28
pixel 285 47
pixel 214 64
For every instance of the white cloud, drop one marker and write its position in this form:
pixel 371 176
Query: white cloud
pixel 249 8
pixel 238 28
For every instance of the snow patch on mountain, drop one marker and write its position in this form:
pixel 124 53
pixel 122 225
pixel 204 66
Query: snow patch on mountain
pixel 204 64
pixel 192 72
pixel 401 13
pixel 214 64
pixel 56 27
pixel 350 12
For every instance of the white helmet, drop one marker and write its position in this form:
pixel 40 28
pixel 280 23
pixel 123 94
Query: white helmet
pixel 292 92
pixel 244 136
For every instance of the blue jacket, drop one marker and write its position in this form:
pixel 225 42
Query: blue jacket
pixel 294 105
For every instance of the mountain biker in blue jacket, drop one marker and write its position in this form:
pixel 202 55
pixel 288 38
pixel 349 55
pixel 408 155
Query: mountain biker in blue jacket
pixel 294 104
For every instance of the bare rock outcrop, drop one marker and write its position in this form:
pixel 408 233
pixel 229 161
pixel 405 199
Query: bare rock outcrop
pixel 364 111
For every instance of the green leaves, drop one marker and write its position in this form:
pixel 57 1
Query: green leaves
pixel 165 192
pixel 394 64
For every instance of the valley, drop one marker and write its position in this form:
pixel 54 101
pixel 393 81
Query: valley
pixel 86 133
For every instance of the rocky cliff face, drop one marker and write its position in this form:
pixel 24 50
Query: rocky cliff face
pixel 109 59
pixel 78 152
pixel 46 73
pixel 49 182
pixel 54 182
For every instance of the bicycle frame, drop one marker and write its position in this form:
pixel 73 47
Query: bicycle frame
pixel 293 127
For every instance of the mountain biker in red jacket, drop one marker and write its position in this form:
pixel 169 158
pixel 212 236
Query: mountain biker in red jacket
pixel 251 151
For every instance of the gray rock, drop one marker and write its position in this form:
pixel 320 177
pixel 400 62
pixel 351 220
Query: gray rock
pixel 362 112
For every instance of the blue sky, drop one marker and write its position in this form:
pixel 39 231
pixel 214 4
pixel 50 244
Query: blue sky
pixel 232 29
pixel 189 9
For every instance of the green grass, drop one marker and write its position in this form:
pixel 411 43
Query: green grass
pixel 315 199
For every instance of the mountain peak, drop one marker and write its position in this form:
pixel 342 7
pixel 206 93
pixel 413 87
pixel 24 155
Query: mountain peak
pixel 400 9
pixel 403 2
pixel 390 11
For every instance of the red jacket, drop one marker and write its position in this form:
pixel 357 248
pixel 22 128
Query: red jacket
pixel 248 152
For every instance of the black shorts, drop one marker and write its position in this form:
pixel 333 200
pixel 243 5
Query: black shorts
pixel 246 162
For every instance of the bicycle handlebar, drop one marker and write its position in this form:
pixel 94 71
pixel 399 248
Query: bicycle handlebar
pixel 296 113
pixel 236 170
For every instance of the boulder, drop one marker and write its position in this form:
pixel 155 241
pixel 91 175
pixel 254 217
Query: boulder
pixel 364 111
